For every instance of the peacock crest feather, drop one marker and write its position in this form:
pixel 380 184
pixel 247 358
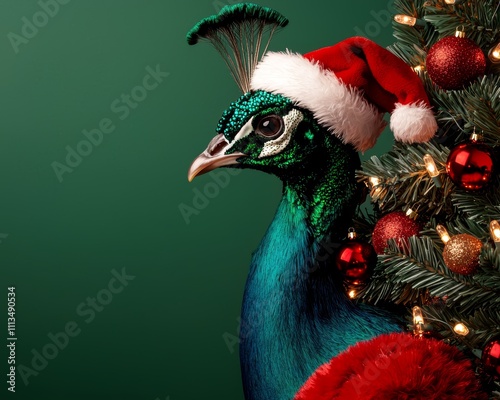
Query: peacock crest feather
pixel 241 33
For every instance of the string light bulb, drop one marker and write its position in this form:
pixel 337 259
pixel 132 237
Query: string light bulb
pixel 374 181
pixel 454 2
pixel 405 19
pixel 418 321
pixel 418 68
pixel 374 189
pixel 461 329
pixel 494 54
pixel 495 232
pixel 443 233
pixel 431 166
pixel 411 214
pixel 352 294
pixel 432 169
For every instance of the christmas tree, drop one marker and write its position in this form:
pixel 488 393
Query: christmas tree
pixel 437 206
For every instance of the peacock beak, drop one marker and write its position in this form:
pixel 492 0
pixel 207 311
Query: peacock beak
pixel 213 157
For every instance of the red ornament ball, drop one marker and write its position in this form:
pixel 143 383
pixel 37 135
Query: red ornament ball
pixel 455 61
pixel 461 254
pixel 491 358
pixel 396 226
pixel 470 165
pixel 356 260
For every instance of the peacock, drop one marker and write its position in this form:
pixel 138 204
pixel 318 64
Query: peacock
pixel 304 118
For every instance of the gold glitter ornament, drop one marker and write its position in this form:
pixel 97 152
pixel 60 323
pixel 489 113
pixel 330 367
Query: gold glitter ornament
pixel 461 254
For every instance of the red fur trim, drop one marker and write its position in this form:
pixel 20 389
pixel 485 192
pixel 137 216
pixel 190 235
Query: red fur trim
pixel 395 367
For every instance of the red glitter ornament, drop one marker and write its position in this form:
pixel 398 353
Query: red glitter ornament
pixel 454 61
pixel 491 358
pixel 396 226
pixel 356 261
pixel 470 165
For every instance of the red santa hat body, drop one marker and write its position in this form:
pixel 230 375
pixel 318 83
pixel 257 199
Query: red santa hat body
pixel 348 87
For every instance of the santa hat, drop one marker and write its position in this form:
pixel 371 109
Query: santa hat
pixel 348 87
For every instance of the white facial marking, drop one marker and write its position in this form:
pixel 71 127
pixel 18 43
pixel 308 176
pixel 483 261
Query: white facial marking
pixel 272 147
pixel 246 130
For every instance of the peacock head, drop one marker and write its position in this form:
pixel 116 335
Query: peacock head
pixel 263 131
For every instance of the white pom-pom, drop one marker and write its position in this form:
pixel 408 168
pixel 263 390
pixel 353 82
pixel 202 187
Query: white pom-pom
pixel 413 123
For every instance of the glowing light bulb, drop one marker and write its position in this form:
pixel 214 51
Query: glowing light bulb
pixel 411 214
pixel 432 169
pixel 494 54
pixel 418 321
pixel 418 68
pixel 374 189
pixel 454 2
pixel 461 329
pixel 405 19
pixel 374 181
pixel 430 165
pixel 352 294
pixel 495 232
pixel 443 233
pixel 418 315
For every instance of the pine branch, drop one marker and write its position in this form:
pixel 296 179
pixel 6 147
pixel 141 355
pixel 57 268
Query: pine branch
pixel 481 209
pixel 477 18
pixel 404 181
pixel 478 106
pixel 483 324
pixel 490 260
pixel 412 42
pixel 404 273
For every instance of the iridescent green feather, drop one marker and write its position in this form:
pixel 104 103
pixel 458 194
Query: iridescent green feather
pixel 237 33
pixel 234 14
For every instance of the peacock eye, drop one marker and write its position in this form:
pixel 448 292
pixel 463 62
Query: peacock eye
pixel 270 126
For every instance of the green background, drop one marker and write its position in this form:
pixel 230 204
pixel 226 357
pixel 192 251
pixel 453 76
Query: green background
pixel 162 336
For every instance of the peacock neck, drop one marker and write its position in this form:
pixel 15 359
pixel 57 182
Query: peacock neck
pixel 293 297
pixel 295 314
pixel 325 188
